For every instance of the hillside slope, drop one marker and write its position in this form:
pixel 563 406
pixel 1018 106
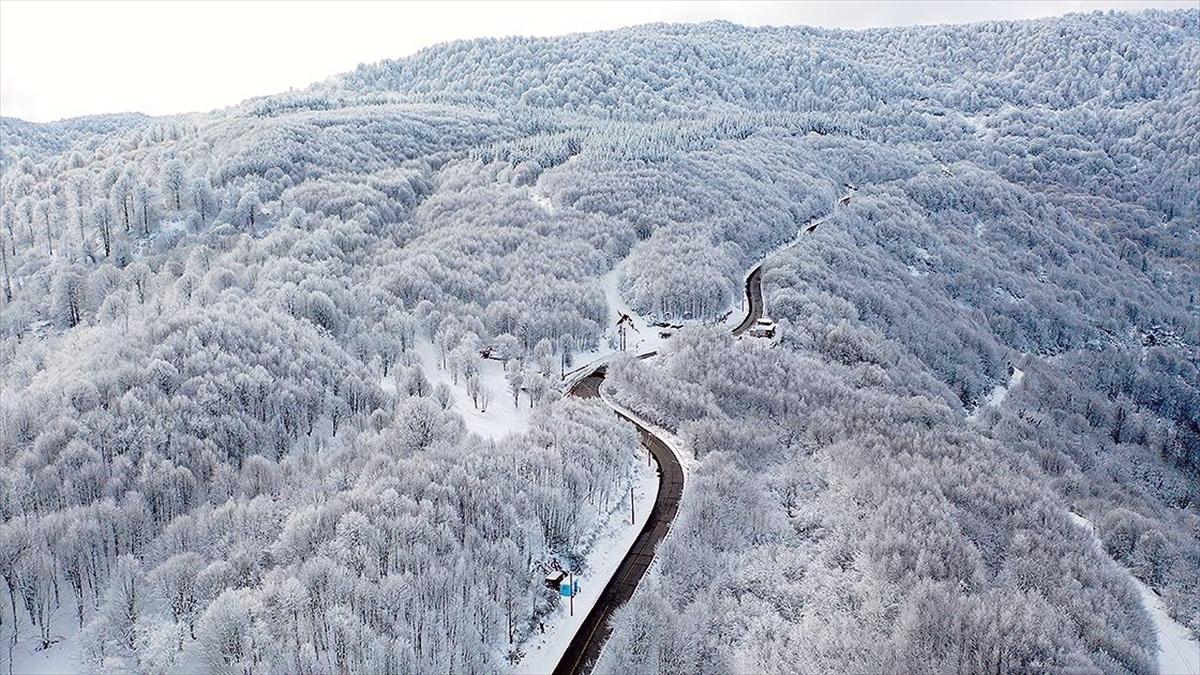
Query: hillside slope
pixel 220 445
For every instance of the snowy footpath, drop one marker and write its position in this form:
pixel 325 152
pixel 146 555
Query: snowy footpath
pixel 1178 654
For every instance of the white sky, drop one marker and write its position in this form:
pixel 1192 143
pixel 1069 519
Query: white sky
pixel 64 59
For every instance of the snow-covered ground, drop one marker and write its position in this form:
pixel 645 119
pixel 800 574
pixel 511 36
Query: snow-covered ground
pixel 501 417
pixel 542 651
pixel 542 200
pixel 996 397
pixel 980 124
pixel 641 338
pixel 61 657
pixel 1178 654
pixel 686 460
pixel 999 392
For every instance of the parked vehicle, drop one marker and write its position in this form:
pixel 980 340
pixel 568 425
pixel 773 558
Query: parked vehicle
pixel 763 328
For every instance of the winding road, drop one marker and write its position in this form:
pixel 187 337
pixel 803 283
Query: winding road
pixel 584 650
pixel 753 300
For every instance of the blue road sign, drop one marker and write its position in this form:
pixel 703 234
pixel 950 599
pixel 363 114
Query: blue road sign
pixel 565 589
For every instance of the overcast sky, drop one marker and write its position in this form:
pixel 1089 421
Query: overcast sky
pixel 64 59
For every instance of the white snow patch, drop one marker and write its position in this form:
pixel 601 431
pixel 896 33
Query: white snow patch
pixel 501 418
pixel 981 127
pixel 28 659
pixel 999 393
pixel 1178 654
pixel 543 651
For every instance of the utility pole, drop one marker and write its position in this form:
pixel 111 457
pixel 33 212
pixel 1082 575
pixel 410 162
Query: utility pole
pixel 571 577
pixel 632 513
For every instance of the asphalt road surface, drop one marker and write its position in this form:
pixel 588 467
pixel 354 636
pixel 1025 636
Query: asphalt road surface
pixel 584 650
pixel 753 299
pixel 581 655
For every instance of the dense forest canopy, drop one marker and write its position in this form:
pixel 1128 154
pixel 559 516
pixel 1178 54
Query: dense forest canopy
pixel 221 449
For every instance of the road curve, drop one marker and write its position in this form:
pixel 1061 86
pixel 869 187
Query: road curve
pixel 583 651
pixel 753 300
pixel 754 296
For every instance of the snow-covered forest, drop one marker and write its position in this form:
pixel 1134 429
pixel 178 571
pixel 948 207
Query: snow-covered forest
pixel 238 349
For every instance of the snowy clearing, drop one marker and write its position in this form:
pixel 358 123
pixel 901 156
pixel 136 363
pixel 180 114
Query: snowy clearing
pixel 61 657
pixel 542 200
pixel 500 419
pixel 640 338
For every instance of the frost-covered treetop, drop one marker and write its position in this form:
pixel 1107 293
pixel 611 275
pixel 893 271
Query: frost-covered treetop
pixel 662 69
